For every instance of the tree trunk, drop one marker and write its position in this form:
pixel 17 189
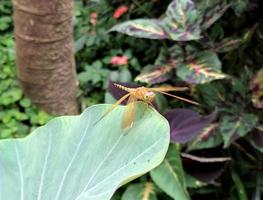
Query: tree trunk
pixel 45 59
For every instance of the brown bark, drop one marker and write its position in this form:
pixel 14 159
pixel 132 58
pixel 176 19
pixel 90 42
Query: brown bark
pixel 45 59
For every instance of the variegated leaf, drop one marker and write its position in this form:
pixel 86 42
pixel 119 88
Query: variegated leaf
pixel 227 44
pixel 202 68
pixel 142 28
pixel 212 14
pixel 208 138
pixel 182 21
pixel 233 127
pixel 257 90
pixel 157 74
pixel 140 191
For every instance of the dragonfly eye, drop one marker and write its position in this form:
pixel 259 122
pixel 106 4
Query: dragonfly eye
pixel 149 96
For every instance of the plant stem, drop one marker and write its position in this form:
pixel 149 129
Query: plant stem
pixel 242 194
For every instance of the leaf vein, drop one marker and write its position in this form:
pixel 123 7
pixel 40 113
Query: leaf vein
pixel 45 166
pixel 20 173
pixel 71 162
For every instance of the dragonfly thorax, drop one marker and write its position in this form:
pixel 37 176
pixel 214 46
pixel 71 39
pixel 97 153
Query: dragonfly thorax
pixel 144 94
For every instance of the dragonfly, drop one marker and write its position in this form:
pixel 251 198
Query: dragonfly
pixel 144 94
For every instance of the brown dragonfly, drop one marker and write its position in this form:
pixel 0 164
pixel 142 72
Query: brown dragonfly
pixel 144 94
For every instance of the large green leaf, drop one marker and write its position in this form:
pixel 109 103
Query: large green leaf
pixel 170 177
pixel 81 158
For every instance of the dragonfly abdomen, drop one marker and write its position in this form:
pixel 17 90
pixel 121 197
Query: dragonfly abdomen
pixel 124 88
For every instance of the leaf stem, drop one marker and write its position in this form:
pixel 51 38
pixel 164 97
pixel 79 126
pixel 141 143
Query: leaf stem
pixel 242 194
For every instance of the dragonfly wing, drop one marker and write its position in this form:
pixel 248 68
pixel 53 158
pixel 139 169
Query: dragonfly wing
pixel 180 98
pixel 168 89
pixel 129 113
pixel 114 106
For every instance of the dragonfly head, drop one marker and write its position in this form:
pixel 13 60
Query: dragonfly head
pixel 149 96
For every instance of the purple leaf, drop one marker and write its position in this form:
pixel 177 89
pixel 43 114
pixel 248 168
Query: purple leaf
pixel 186 124
pixel 205 172
pixel 203 167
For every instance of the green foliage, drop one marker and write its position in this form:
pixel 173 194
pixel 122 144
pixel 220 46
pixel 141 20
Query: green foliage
pixel 169 176
pixel 17 115
pixel 239 186
pixel 211 45
pixel 140 191
pixel 46 164
pixel 233 127
pixel 219 52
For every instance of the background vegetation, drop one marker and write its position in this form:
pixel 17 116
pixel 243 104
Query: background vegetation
pixel 221 158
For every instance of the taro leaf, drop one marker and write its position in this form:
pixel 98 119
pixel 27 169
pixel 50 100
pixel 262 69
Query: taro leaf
pixel 203 68
pixel 186 124
pixel 182 21
pixel 257 90
pixel 232 127
pixel 142 28
pixel 157 74
pixel 210 137
pixel 140 191
pixel 169 176
pixel 257 139
pixel 73 157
